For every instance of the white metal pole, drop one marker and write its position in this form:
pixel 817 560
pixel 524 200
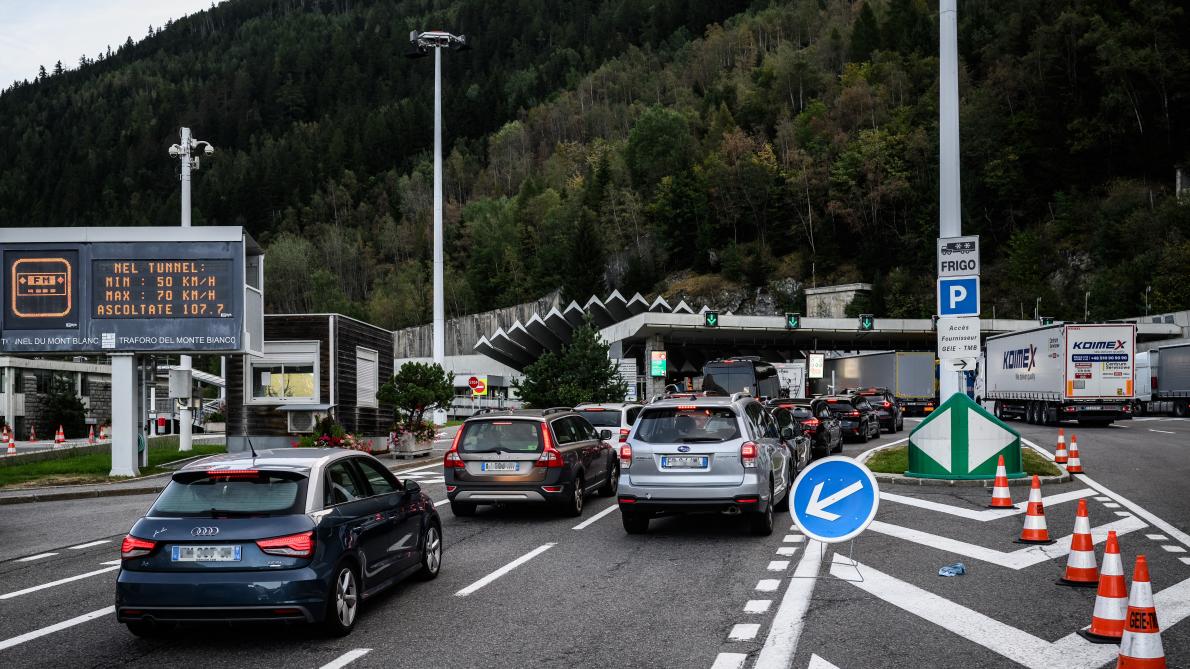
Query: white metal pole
pixel 185 438
pixel 949 222
pixel 124 415
pixel 439 297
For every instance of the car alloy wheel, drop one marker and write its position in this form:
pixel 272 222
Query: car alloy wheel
pixel 431 553
pixel 346 597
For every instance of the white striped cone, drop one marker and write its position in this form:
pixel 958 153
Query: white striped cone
pixel 1074 465
pixel 1111 601
pixel 1001 497
pixel 10 443
pixel 1140 646
pixel 1060 454
pixel 1035 531
pixel 59 437
pixel 1081 569
pixel 91 435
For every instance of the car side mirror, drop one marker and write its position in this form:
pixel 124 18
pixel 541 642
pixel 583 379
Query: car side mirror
pixel 605 434
pixel 412 486
pixel 787 433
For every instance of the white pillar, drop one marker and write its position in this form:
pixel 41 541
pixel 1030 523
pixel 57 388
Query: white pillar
pixel 185 418
pixel 949 209
pixel 439 296
pixel 125 414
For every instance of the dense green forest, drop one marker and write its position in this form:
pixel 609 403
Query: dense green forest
pixel 663 146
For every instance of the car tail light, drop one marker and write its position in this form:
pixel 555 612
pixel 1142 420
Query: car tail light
pixel 1127 409
pixel 233 473
pixel 748 453
pixel 887 404
pixel 625 456
pixel 1071 409
pixel 627 500
pixel 290 545
pixel 810 424
pixel 687 407
pixel 550 457
pixel 552 488
pixel 452 459
pixel 134 547
pixel 853 413
pixel 624 434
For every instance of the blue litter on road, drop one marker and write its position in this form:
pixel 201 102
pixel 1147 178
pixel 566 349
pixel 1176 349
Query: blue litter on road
pixel 956 569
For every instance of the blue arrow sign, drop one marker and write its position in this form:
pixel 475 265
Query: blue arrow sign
pixel 834 499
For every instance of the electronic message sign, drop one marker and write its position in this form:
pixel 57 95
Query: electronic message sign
pixel 164 294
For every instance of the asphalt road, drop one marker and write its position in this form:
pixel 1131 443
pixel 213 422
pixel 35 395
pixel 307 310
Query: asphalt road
pixel 694 592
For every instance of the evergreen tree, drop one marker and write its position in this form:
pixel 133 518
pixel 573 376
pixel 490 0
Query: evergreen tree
pixel 62 406
pixel 58 68
pixel 580 372
pixel 865 35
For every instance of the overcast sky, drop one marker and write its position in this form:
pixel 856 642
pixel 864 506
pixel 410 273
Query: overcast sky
pixel 42 32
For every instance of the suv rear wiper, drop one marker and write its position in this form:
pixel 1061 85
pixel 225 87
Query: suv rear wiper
pixel 700 440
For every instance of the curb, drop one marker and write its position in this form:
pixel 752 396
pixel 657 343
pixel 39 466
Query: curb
pixel 901 479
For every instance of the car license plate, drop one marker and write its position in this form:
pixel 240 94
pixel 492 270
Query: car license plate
pixel 500 466
pixel 1092 408
pixel 205 554
pixel 684 461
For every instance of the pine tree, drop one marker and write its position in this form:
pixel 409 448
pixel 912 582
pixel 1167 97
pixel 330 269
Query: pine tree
pixel 865 35
pixel 58 68
pixel 580 372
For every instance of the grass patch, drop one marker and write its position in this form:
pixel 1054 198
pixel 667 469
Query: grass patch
pixel 94 467
pixel 896 461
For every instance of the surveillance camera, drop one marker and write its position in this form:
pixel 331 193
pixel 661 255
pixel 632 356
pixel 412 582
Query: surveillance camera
pixel 209 150
pixel 175 150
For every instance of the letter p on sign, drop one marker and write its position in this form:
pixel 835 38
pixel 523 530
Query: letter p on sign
pixel 958 296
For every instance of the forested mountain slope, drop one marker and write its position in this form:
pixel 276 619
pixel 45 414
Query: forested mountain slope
pixel 672 145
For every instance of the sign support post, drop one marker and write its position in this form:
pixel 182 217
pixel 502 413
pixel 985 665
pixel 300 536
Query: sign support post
pixel 125 414
pixel 949 210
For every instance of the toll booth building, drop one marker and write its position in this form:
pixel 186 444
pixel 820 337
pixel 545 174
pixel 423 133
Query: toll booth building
pixel 313 366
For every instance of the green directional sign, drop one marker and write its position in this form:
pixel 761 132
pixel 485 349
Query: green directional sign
pixel 711 318
pixel 793 321
pixel 1046 320
pixel 867 322
pixel 961 440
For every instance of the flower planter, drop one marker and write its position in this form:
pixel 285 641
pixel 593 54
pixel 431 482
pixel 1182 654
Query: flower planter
pixel 406 447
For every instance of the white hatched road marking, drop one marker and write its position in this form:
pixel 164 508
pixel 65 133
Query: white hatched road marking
pixel 778 565
pixel 1161 431
pixel 768 585
pixel 39 556
pixel 794 538
pixel 743 632
pixel 346 658
pixel 43 586
pixel 441 502
pixel 1184 560
pixel 817 662
pixel 1018 559
pixel 588 522
pixel 89 544
pixel 504 570
pixel 757 605
pixel 787 550
pixel 111 562
pixel 1069 652
pixel 1174 549
pixel 1111 505
pixel 1157 537
pixel 729 661
pixel 1123 514
pixel 78 620
pixel 983 515
pixel 787 624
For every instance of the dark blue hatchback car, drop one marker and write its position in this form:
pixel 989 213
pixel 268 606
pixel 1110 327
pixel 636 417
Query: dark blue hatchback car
pixel 298 535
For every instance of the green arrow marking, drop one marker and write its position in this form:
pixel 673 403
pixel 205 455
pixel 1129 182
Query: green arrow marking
pixel 712 318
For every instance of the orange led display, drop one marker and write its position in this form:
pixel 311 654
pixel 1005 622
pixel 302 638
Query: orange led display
pixel 41 287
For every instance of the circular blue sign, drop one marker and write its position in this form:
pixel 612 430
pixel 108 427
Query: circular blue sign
pixel 834 499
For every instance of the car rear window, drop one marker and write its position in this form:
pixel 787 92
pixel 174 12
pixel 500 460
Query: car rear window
pixel 231 493
pixel 801 412
pixel 840 406
pixel 729 378
pixel 687 424
pixel 492 436
pixel 601 417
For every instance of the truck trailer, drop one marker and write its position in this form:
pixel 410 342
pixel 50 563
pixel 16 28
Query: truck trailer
pixel 1163 381
pixel 1062 372
pixel 909 375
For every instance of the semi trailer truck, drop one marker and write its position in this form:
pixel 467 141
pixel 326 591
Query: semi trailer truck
pixel 1163 381
pixel 909 375
pixel 1062 372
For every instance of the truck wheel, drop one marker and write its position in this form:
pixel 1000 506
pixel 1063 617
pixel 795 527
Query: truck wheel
pixel 1179 408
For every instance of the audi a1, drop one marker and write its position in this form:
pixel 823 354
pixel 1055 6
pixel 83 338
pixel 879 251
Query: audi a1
pixel 292 535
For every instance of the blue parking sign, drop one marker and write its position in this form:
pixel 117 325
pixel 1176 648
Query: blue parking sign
pixel 958 296
pixel 834 499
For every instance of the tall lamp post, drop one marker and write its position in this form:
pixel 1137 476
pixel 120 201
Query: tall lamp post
pixel 949 209
pixel 422 43
pixel 187 151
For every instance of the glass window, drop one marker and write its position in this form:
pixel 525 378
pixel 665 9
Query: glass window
pixel 632 414
pixel 367 378
pixel 341 486
pixel 378 477
pixel 585 430
pixel 564 431
pixel 284 381
pixel 42 379
pixel 207 495
pixel 601 417
pixel 491 436
pixel 682 425
pixel 18 380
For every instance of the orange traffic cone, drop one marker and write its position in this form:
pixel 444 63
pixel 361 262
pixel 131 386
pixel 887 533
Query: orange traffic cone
pixel 1060 454
pixel 1111 602
pixel 1034 531
pixel 9 442
pixel 91 435
pixel 1081 570
pixel 1140 645
pixel 102 436
pixel 1074 465
pixel 32 434
pixel 59 437
pixel 1001 498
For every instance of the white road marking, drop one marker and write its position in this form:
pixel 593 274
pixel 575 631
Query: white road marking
pixel 112 562
pixel 817 662
pixel 1184 560
pixel 43 586
pixel 778 565
pixel 768 585
pixel 1102 499
pixel 790 618
pixel 504 570
pixel 441 502
pixel 417 469
pixel 1123 514
pixel 346 658
pixel 743 632
pixel 794 538
pixel 787 550
pixel 1174 549
pixel 1174 532
pixel 1157 537
pixel 1111 505
pixel 757 605
pixel 39 556
pixel 1116 425
pixel 78 620
pixel 729 661
pixel 90 544
pixel 983 515
pixel 1161 431
pixel 1018 559
pixel 586 523
pixel 1069 652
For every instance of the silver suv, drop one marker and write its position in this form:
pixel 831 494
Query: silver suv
pixel 716 454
